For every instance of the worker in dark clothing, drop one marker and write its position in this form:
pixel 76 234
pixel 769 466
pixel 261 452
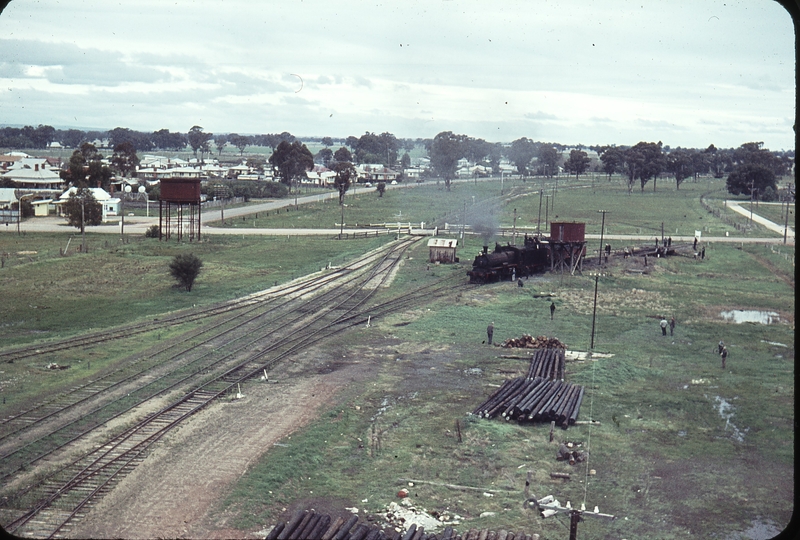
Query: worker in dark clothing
pixel 669 241
pixel 703 253
pixel 694 246
pixel 519 282
pixel 672 326
pixel 552 309
pixel 720 347
pixel 490 332
pixel 608 250
pixel 724 355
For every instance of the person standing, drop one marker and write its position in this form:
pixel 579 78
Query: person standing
pixel 552 309
pixel 672 326
pixel 724 355
pixel 703 253
pixel 490 332
pixel 663 327
pixel 720 347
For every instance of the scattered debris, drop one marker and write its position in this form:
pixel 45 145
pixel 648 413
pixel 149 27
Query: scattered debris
pixel 53 365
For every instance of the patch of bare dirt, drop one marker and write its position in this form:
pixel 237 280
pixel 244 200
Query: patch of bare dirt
pixel 171 493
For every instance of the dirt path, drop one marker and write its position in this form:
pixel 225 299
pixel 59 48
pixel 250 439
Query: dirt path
pixel 171 493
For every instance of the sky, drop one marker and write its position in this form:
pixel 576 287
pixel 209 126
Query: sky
pixel 687 73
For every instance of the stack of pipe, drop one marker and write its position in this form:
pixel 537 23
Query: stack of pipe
pixel 309 525
pixel 534 400
pixel 547 363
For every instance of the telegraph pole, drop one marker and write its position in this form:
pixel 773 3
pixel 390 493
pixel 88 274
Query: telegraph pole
pixel 539 219
pixel 602 228
pixel 514 234
pixel 594 311
pixel 549 506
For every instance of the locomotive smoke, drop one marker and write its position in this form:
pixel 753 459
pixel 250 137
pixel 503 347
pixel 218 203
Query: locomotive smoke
pixel 484 223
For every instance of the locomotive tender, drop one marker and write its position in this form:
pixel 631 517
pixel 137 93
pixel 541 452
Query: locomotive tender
pixel 508 261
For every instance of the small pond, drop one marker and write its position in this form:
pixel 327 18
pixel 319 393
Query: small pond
pixel 750 315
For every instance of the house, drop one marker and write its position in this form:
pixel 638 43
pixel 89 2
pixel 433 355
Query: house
pixel 442 250
pixel 375 173
pixel 111 205
pixel 41 208
pixel 320 176
pixel 413 173
pixel 34 179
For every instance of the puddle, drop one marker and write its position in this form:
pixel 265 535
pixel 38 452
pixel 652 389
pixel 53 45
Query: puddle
pixel 759 530
pixel 750 315
pixel 725 410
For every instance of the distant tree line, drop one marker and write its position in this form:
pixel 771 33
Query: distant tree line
pixel 750 168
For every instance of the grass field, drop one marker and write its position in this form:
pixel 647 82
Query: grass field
pixel 683 448
pixel 567 199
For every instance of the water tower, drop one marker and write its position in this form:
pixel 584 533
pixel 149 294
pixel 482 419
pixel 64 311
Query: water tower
pixel 179 208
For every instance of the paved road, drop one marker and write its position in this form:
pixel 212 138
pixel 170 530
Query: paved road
pixel 139 224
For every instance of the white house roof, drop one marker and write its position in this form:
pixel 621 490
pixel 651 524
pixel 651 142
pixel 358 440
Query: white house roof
pixel 443 242
pixel 32 175
pixel 99 194
pixel 7 195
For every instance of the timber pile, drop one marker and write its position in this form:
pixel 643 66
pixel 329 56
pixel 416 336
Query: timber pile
pixel 547 363
pixel 308 525
pixel 537 400
pixel 529 342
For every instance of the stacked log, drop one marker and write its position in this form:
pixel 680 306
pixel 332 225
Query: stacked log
pixel 308 525
pixel 548 363
pixel 529 342
pixel 534 400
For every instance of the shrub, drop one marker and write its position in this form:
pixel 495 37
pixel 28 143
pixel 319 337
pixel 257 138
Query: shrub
pixel 185 269
pixel 153 232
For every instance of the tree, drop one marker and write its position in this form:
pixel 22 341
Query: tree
pixel 643 161
pixel 220 141
pixel 577 163
pixel 342 154
pixel 405 161
pixel 124 159
pixel 612 158
pixel 750 179
pixel 82 209
pixel 679 162
pixel 42 136
pixel 239 141
pixel 291 161
pixel 548 159
pixel 381 188
pixel 185 269
pixel 325 156
pixel 327 141
pixel 86 168
pixel 198 140
pixel 445 151
pixel 521 153
pixel 345 174
pixel 168 141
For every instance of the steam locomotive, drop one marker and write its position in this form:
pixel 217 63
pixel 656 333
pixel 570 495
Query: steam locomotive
pixel 508 261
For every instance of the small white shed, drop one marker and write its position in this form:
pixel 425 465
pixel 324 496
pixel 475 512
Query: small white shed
pixel 442 250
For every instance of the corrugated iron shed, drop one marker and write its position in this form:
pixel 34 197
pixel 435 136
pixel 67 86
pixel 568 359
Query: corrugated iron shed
pixel 442 250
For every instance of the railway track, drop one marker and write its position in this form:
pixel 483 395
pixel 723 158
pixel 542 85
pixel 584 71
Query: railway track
pixel 66 495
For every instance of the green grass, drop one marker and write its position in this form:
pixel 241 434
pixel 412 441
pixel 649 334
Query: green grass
pixel 667 464
pixel 46 295
pixel 664 456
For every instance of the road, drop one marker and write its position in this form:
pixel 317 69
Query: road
pixel 139 224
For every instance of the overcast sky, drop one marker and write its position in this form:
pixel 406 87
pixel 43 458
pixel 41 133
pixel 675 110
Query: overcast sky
pixel 687 73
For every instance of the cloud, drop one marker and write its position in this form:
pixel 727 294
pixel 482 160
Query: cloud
pixel 539 115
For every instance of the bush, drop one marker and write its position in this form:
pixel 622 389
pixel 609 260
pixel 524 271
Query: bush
pixel 153 232
pixel 185 269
